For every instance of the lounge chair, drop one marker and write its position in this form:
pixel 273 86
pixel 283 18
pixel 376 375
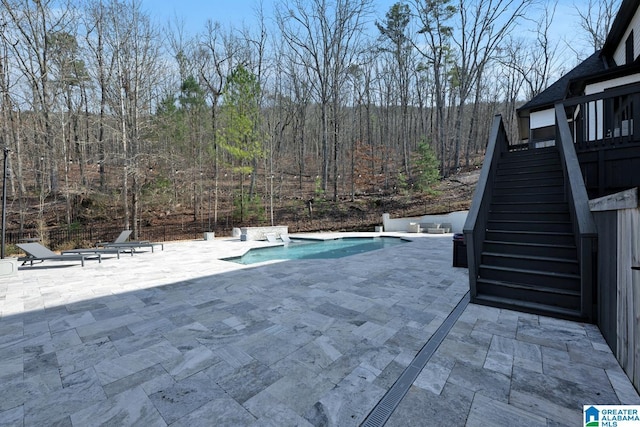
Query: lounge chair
pixel 121 242
pixel 115 251
pixel 124 235
pixel 285 238
pixel 271 238
pixel 37 252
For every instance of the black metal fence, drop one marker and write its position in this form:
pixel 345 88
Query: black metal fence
pixel 57 237
pixel 61 236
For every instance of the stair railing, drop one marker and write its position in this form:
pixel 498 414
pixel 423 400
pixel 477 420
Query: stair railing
pixel 584 227
pixel 475 225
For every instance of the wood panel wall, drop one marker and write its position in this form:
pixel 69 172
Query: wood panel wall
pixel 628 346
pixel 617 219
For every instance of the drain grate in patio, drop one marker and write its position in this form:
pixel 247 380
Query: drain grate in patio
pixel 380 414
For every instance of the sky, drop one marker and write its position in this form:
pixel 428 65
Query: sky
pixel 195 13
pixel 227 12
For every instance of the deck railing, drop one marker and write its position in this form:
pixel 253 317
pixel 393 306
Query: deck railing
pixel 605 119
pixel 584 227
pixel 605 130
pixel 476 223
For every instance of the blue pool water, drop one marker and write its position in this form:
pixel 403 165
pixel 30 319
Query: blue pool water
pixel 323 249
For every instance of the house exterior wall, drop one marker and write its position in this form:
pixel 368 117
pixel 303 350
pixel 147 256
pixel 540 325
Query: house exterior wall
pixel 543 118
pixel 608 84
pixel 619 54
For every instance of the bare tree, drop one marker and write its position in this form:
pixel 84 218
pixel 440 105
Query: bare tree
pixel 324 36
pixel 134 42
pixel 596 17
pixel 9 126
pixel 216 57
pixel 101 68
pixel 395 33
pixel 434 25
pixel 33 24
pixel 484 25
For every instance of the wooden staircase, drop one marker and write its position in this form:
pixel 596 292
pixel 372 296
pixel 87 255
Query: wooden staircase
pixel 529 260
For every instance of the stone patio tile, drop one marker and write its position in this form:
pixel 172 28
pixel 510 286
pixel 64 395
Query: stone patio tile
pixel 623 388
pixel 270 347
pixel 65 339
pixel 190 362
pixel 234 356
pixel 223 412
pixel 353 301
pixel 550 334
pixel 348 403
pixel 408 338
pixel 500 327
pixel 186 337
pixel 389 375
pixel 555 414
pixel 468 353
pixel 17 344
pixel 592 357
pixel 422 408
pixel 143 378
pixel 279 415
pixel 71 321
pixel 80 390
pixel 486 411
pixel 575 372
pixel 499 362
pixel 297 394
pixel 308 348
pixel 532 365
pixel 481 338
pixel 105 325
pixel 10 331
pixel 37 328
pixel 315 321
pixel 10 366
pixel 315 356
pixel 473 378
pixel 16 390
pixel 111 370
pixel 186 396
pixel 374 332
pixel 560 393
pixel 137 342
pixel 248 381
pixel 12 417
pixel 435 374
pixel 131 407
pixel 85 355
pixel 336 311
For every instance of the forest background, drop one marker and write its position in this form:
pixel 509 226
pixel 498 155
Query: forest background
pixel 319 116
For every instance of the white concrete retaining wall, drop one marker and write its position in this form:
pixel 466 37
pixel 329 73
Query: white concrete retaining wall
pixel 8 267
pixel 258 233
pixel 456 219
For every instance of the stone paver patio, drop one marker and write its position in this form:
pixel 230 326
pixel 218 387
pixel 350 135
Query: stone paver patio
pixel 179 337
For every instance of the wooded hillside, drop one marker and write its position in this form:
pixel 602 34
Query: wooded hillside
pixel 107 116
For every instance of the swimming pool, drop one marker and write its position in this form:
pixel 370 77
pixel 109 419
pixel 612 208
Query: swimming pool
pixel 317 249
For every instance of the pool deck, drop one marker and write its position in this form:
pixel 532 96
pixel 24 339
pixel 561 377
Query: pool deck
pixel 178 337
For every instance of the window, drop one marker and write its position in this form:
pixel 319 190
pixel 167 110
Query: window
pixel 628 49
pixel 547 133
